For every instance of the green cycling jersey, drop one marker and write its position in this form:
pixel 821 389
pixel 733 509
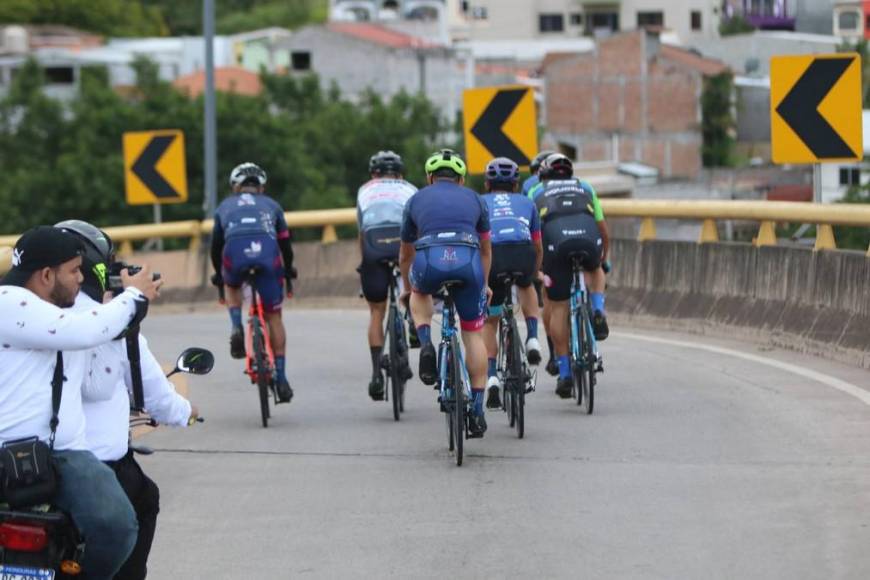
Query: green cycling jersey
pixel 597 212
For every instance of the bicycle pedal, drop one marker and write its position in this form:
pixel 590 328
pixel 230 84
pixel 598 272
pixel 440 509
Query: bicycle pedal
pixel 385 361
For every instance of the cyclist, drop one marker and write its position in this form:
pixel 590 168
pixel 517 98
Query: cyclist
pixel 250 231
pixel 107 420
pixel 379 206
pixel 445 235
pixel 534 167
pixel 572 221
pixel 516 247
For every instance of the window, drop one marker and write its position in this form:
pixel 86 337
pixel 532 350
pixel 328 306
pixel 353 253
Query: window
pixel 479 13
pixel 551 22
pixel 575 19
pixel 696 20
pixel 600 21
pixel 59 75
pixel 848 20
pixel 300 60
pixel 464 6
pixel 850 176
pixel 650 19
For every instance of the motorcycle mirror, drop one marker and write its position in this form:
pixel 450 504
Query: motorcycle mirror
pixel 196 361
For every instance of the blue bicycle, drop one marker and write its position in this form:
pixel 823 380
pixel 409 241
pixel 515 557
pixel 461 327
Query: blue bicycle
pixel 454 384
pixel 585 360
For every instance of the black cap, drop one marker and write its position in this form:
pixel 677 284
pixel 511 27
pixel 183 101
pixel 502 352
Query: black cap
pixel 41 247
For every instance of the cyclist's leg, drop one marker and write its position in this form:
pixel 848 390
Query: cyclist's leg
pixel 528 298
pixel 375 281
pixel 500 264
pixel 424 282
pixel 558 288
pixel 596 280
pixel 234 261
pixel 270 287
pixel 470 300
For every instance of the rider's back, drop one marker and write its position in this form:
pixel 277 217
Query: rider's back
pixel 381 201
pixel 443 207
pixel 248 214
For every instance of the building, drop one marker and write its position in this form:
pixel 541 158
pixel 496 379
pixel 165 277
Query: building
pixel 359 56
pixel 813 16
pixel 849 21
pixel 633 99
pixel 228 80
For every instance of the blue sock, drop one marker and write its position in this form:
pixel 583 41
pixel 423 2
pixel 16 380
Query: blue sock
pixel 564 367
pixel 532 328
pixel 490 371
pixel 597 299
pixel 478 402
pixel 236 317
pixel 424 333
pixel 280 366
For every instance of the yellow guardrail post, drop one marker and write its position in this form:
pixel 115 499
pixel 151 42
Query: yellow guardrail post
pixel 329 234
pixel 709 232
pixel 766 234
pixel 825 238
pixel 647 230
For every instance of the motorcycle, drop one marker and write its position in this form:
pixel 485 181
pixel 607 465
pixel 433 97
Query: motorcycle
pixel 41 542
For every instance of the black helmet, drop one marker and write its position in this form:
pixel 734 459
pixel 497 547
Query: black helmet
pixel 96 258
pixel 535 165
pixel 556 166
pixel 386 163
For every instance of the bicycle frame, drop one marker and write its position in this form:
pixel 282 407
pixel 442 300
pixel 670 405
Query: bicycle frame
pixel 580 299
pixel 256 311
pixel 448 332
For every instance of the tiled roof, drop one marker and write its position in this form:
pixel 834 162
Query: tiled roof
pixel 705 66
pixel 379 35
pixel 228 79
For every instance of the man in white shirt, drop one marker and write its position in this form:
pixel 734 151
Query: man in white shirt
pixel 45 278
pixel 108 420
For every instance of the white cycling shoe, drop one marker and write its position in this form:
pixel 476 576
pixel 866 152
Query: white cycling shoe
pixel 493 400
pixel 533 351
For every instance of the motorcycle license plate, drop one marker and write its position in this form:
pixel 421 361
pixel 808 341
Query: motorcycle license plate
pixel 23 573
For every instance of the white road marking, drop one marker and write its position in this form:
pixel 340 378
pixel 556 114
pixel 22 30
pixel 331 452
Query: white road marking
pixel 827 380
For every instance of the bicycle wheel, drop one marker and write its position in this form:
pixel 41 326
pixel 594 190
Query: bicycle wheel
pixel 446 403
pixel 577 363
pixel 259 347
pixel 588 371
pixel 402 349
pixel 460 403
pixel 393 369
pixel 517 379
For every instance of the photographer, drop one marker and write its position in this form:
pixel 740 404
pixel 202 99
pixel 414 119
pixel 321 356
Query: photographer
pixel 45 278
pixel 108 420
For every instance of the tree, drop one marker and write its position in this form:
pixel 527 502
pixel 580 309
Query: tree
pixel 717 122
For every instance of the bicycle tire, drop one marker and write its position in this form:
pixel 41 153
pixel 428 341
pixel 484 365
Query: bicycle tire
pixel 517 379
pixel 588 368
pixel 402 348
pixel 259 348
pixel 447 404
pixel 393 369
pixel 459 405
pixel 577 361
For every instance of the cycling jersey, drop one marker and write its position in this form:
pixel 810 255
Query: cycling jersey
pixel 529 183
pixel 382 202
pixel 513 218
pixel 445 210
pixel 249 214
pixel 555 191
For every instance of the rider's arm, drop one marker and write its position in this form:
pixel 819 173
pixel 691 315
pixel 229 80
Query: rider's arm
pixel 283 234
pixel 104 372
pixel 484 231
pixel 535 230
pixel 217 245
pixel 407 251
pixel 28 322
pixel 599 220
pixel 161 400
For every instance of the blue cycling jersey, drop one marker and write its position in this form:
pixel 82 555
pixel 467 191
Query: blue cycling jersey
pixel 529 183
pixel 513 218
pixel 250 214
pixel 442 208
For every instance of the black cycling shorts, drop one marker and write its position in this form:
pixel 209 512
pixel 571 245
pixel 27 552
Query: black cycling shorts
pixel 510 258
pixel 380 247
pixel 565 239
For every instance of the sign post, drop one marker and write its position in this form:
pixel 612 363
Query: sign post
pixel 499 122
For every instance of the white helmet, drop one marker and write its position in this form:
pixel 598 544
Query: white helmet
pixel 247 172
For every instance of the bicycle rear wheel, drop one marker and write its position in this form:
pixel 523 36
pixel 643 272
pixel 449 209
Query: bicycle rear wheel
pixel 517 379
pixel 588 371
pixel 393 369
pixel 260 360
pixel 460 403
pixel 577 364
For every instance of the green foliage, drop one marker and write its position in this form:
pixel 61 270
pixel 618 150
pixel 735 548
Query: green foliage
pixel 106 17
pixel 717 122
pixel 314 145
pixel 854 238
pixel 734 25
pixel 862 48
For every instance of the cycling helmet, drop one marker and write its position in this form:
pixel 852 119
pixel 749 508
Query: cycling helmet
pixel 502 170
pixel 535 165
pixel 98 252
pixel 247 173
pixel 556 166
pixel 446 159
pixel 386 163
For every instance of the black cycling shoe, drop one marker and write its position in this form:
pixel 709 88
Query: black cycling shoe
pixel 565 387
pixel 413 339
pixel 599 325
pixel 376 388
pixel 405 372
pixel 428 364
pixel 237 343
pixel 476 426
pixel 552 367
pixel 493 400
pixel 285 393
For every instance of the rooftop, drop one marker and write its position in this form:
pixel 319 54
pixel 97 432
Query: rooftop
pixel 381 35
pixel 227 79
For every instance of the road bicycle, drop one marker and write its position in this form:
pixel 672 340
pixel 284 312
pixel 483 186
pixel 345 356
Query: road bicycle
pixel 512 365
pixel 394 361
pixel 586 362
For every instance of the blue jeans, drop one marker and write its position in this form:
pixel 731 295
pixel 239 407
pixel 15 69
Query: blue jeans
pixel 90 493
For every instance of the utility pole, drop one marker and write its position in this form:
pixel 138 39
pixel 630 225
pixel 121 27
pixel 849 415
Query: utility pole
pixel 210 194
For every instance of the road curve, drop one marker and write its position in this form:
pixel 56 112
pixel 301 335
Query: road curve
pixel 698 463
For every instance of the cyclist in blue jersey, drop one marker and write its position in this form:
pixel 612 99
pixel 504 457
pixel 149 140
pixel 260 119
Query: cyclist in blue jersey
pixel 380 203
pixel 250 231
pixel 534 167
pixel 573 224
pixel 445 236
pixel 516 247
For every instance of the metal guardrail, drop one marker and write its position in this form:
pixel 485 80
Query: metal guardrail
pixel 766 213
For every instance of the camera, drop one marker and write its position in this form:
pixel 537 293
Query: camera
pixel 115 285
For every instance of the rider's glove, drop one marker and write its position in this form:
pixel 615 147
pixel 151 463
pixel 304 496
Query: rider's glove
pixel 606 266
pixel 217 280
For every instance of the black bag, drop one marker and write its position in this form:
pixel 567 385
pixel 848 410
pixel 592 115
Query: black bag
pixel 29 476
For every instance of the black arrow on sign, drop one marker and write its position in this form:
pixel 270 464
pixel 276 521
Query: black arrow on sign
pixel 800 108
pixel 488 127
pixel 145 167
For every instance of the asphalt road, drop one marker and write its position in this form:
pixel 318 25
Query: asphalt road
pixel 698 463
